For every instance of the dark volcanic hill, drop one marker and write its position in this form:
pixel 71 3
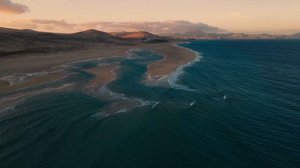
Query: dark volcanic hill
pixel 15 41
pixel 296 35
pixel 9 30
pixel 141 36
pixel 95 35
pixel 135 35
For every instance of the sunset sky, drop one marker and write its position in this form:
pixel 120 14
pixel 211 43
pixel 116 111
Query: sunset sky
pixel 248 16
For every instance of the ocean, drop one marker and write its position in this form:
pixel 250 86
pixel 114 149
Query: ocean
pixel 236 105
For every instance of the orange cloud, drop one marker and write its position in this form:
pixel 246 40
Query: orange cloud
pixel 6 6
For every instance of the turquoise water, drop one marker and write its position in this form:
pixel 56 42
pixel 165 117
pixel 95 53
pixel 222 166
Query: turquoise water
pixel 239 106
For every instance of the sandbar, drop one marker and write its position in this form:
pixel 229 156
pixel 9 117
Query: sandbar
pixel 103 74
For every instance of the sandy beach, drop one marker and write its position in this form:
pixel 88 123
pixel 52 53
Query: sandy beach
pixel 43 61
pixel 103 75
pixel 32 81
pixel 3 83
pixel 173 56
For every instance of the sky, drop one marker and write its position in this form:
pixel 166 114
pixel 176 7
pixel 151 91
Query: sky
pixel 247 16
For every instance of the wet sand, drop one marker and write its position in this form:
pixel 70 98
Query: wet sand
pixel 174 56
pixel 42 62
pixel 103 75
pixel 32 81
pixel 3 83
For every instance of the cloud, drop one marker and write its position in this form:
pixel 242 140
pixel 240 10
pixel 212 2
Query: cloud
pixel 153 27
pixel 6 6
pixel 55 23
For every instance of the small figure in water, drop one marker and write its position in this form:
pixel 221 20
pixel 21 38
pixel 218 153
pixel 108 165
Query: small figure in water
pixel 193 103
pixel 157 103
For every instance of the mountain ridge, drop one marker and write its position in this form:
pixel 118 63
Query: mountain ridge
pixel 134 35
pixel 296 35
pixel 123 36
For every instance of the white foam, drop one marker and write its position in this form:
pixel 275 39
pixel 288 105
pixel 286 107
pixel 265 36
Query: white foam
pixel 132 53
pixel 19 77
pixel 6 109
pixel 100 115
pixel 121 111
pixel 106 93
pixel 156 104
pixel 99 60
pixel 120 98
pixel 174 77
pixel 193 103
pixel 145 102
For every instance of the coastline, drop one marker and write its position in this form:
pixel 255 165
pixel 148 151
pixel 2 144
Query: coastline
pixel 174 56
pixel 160 72
pixel 17 87
pixel 174 77
pixel 33 63
pixel 103 75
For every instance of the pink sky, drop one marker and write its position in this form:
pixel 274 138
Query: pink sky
pixel 249 16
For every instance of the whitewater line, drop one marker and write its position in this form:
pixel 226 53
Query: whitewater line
pixel 174 77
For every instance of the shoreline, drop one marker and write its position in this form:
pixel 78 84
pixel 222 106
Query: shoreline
pixel 174 77
pixel 159 72
pixel 174 57
pixel 104 74
pixel 33 63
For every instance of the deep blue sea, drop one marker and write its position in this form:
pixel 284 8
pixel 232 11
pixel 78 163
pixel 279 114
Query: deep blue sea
pixel 236 106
